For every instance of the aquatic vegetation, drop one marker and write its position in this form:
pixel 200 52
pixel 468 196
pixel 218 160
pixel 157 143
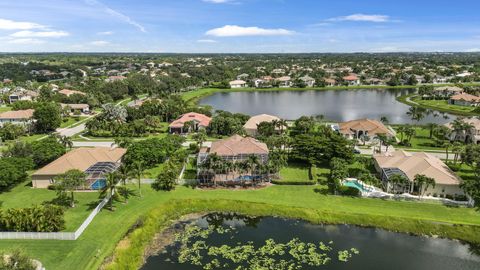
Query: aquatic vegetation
pixel 294 254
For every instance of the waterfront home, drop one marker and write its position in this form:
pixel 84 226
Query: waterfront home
pixel 82 108
pixel 22 94
pixel 251 126
pixel 364 129
pixel 411 164
pixel 238 84
pixel 352 79
pixel 284 81
pixel 308 81
pixel 464 99
pixel 22 117
pixel 95 162
pixel 68 92
pixel 242 76
pixel 115 78
pixel 189 122
pixel 447 91
pixel 234 149
pixel 330 82
pixel 375 81
pixel 470 135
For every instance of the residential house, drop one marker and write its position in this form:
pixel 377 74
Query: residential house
pixel 411 164
pixel 22 94
pixel 82 108
pixel 364 129
pixel 68 92
pixel 198 121
pixel 308 81
pixel 447 91
pixel 234 149
pixel 238 84
pixel 352 79
pixel 242 76
pixel 284 81
pixel 252 124
pixel 115 78
pixel 22 117
pixel 464 99
pixel 330 82
pixel 471 135
pixel 95 162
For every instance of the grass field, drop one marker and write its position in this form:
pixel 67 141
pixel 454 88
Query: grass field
pixel 421 140
pixel 71 121
pixel 101 237
pixel 5 109
pixel 438 105
pixel 294 173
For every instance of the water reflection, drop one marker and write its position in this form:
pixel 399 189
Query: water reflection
pixel 336 105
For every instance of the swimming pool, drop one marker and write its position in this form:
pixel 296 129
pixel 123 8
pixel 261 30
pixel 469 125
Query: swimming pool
pixel 98 184
pixel 355 184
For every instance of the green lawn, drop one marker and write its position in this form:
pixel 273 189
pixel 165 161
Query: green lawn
pixel 421 140
pixel 153 172
pixel 439 105
pixel 294 173
pixel 108 227
pixel 5 109
pixel 71 121
pixel 24 196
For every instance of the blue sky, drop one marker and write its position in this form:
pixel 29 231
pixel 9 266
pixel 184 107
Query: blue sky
pixel 204 26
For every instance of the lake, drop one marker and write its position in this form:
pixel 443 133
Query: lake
pixel 335 105
pixel 377 249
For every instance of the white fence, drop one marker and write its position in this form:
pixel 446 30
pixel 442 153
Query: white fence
pixel 57 235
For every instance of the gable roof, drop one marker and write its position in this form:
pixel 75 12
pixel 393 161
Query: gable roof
pixel 81 159
pixel 351 77
pixel 202 119
pixel 68 92
pixel 22 114
pixel 257 119
pixel 372 126
pixel 237 82
pixel 418 163
pixel 465 97
pixel 236 145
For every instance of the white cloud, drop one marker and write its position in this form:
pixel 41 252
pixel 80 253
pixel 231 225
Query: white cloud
pixel 14 25
pixel 39 34
pixel 206 41
pixel 106 33
pixel 237 31
pixel 116 14
pixel 28 41
pixel 100 43
pixel 359 17
pixel 473 50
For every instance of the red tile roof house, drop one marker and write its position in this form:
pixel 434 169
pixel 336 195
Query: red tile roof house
pixel 234 149
pixel 465 99
pixel 352 79
pixel 200 121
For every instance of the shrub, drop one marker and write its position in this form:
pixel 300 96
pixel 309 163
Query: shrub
pixel 348 191
pixel 16 259
pixel 48 218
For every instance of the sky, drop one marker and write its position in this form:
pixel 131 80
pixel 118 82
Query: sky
pixel 239 26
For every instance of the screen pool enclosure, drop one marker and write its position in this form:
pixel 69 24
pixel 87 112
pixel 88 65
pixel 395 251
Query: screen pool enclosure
pixel 97 172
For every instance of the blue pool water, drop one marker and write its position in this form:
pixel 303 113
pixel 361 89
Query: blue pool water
pixel 354 184
pixel 99 184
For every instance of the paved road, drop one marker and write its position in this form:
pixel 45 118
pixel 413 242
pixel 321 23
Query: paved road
pixel 69 132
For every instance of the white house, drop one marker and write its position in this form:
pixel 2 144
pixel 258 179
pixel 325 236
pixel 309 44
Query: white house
pixel 284 81
pixel 308 81
pixel 238 84
pixel 22 117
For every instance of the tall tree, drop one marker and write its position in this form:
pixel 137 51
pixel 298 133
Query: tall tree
pixel 69 182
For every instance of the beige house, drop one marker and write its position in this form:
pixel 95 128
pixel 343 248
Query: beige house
pixel 471 135
pixel 68 92
pixel 22 117
pixel 238 84
pixel 252 124
pixel 365 129
pixel 284 81
pixel 83 108
pixel 411 164
pixel 352 79
pixel 464 99
pixel 83 159
pixel 447 91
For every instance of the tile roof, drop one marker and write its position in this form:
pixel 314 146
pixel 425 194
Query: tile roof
pixel 81 159
pixel 465 97
pixel 257 119
pixel 22 114
pixel 237 145
pixel 418 163
pixel 202 119
pixel 372 126
pixel 68 92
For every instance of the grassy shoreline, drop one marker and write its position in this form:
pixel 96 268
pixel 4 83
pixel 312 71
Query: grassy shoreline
pixel 194 96
pixel 404 99
pixel 129 254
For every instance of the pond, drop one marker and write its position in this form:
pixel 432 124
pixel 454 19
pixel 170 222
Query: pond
pixel 347 247
pixel 334 105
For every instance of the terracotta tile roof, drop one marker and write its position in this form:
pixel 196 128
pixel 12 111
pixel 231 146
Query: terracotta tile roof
pixel 257 119
pixel 237 145
pixel 351 77
pixel 284 79
pixel 81 159
pixel 418 163
pixel 202 119
pixel 372 126
pixel 22 114
pixel 75 106
pixel 466 97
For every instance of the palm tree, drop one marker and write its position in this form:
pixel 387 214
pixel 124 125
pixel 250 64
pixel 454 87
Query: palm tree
pixel 384 119
pixel 124 175
pixel 397 179
pixel 253 163
pixel 137 172
pixel 457 149
pixel 109 189
pixel 423 182
pixel 446 145
pixel 416 113
pixel 215 163
pixel 200 137
pixel 66 141
pixel 432 127
pixel 282 124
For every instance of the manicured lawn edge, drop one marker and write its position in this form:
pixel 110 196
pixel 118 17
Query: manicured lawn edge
pixel 131 252
pixel 403 99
